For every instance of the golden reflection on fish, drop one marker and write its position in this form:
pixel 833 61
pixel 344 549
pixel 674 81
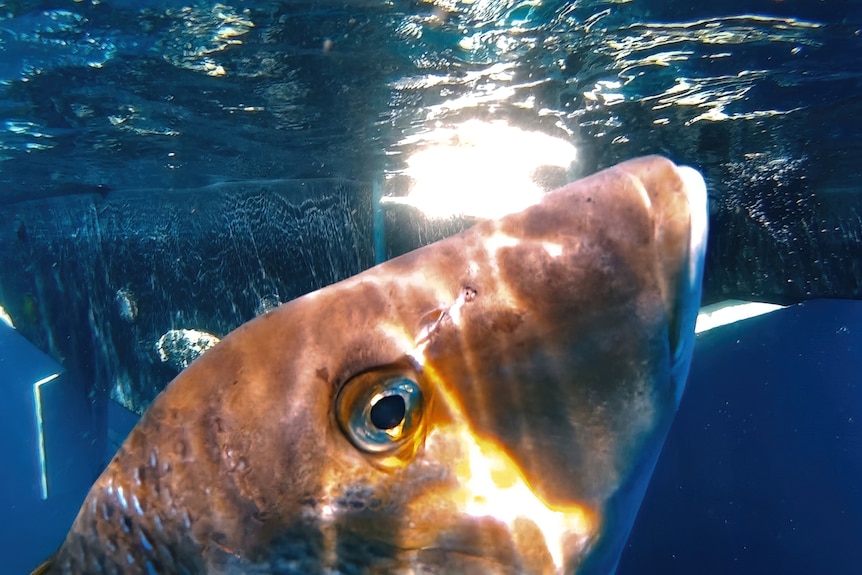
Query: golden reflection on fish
pixel 490 404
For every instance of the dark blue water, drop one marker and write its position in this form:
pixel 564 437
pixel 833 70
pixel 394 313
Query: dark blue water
pixel 761 469
pixel 166 165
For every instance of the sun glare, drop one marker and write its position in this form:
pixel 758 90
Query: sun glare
pixel 481 169
pixel 493 486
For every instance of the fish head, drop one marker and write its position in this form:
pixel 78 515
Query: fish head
pixel 491 403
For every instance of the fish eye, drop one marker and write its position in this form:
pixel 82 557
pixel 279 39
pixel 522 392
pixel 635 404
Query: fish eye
pixel 380 412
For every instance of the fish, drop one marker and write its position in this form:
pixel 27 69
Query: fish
pixel 492 403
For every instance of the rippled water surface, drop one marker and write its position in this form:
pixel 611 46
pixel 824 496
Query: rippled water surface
pixel 128 95
pixel 451 107
pixel 162 139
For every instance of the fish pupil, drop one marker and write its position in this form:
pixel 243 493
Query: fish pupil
pixel 388 412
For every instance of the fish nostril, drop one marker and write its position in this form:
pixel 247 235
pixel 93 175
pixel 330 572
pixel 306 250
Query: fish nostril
pixel 469 293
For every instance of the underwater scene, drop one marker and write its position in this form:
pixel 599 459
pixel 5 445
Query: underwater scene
pixel 512 287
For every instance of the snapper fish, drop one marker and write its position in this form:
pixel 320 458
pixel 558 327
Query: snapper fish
pixel 493 403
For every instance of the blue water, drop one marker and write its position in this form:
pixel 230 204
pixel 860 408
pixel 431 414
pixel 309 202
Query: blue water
pixel 760 472
pixel 168 165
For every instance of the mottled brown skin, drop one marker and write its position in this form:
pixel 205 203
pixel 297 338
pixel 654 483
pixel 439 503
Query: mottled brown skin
pixel 562 357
